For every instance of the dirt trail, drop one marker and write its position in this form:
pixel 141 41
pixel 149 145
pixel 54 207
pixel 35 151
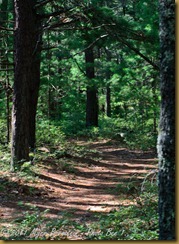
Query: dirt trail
pixel 88 188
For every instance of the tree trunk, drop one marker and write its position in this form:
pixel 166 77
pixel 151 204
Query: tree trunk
pixel 92 97
pixel 156 102
pixel 8 92
pixel 108 89
pixel 166 138
pixel 33 100
pixel 34 83
pixel 108 101
pixel 25 49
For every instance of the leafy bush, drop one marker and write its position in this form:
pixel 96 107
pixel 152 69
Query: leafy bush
pixel 49 134
pixel 73 123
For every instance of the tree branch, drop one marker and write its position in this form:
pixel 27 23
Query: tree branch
pixel 82 71
pixel 8 64
pixel 59 24
pixel 6 29
pixel 91 44
pixel 41 3
pixel 6 69
pixel 54 14
pixel 126 43
pixel 155 66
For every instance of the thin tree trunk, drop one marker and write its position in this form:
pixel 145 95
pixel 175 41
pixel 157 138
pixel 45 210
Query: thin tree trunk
pixel 103 108
pixel 166 138
pixel 92 92
pixel 108 89
pixel 108 101
pixel 7 107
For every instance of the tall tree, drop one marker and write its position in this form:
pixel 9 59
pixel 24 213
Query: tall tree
pixel 166 138
pixel 92 97
pixel 25 46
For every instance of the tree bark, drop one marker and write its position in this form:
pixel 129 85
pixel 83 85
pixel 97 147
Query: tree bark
pixel 25 48
pixel 34 82
pixel 108 88
pixel 92 92
pixel 166 138
pixel 33 99
pixel 108 100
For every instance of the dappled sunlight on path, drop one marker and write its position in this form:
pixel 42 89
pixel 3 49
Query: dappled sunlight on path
pixel 92 185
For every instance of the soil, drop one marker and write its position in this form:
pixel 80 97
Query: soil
pixel 87 186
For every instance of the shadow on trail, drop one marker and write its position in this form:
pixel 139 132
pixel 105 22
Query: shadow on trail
pixel 12 193
pixel 87 186
pixel 115 162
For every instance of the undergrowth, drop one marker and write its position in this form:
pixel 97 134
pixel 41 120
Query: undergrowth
pixel 138 221
pixel 132 135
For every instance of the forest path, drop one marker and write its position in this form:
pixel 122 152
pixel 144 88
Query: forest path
pixel 84 184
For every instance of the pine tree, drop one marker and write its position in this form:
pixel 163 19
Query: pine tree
pixel 166 138
pixel 25 52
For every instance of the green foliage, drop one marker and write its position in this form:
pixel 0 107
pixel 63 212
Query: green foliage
pixel 125 132
pixel 26 166
pixel 5 158
pixel 28 172
pixel 33 225
pixel 27 227
pixel 2 131
pixel 48 133
pixel 65 165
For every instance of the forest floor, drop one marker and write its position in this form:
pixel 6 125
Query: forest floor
pixel 78 184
